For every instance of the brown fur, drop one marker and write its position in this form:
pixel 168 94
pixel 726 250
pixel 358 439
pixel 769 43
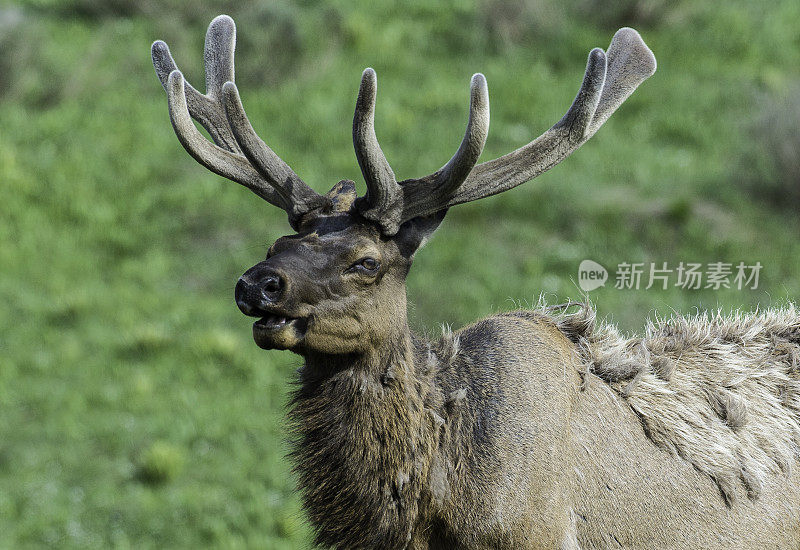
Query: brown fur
pixel 492 436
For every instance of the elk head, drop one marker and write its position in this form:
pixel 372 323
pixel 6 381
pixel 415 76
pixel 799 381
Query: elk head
pixel 337 285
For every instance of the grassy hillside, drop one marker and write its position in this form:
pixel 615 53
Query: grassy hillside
pixel 136 410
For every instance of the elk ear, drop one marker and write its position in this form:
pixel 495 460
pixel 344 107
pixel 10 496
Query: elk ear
pixel 414 233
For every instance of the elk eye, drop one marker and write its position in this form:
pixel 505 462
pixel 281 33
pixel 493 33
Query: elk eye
pixel 369 265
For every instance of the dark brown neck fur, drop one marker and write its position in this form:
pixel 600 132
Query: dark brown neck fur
pixel 364 442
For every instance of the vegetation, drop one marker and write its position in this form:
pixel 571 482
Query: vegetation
pixel 136 410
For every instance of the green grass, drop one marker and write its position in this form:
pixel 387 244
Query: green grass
pixel 136 410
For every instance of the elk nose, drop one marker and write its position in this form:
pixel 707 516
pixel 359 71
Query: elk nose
pixel 254 298
pixel 272 284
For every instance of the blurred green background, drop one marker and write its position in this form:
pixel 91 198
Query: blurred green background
pixel 135 409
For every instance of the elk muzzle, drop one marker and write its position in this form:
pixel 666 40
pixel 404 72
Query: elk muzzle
pixel 261 292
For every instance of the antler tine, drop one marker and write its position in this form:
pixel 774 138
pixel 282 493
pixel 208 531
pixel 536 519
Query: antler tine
pixel 218 53
pixel 438 188
pixel 218 56
pixel 630 62
pixel 383 192
pixel 460 165
pixel 220 161
pixel 610 78
pixel 267 175
pixel 296 196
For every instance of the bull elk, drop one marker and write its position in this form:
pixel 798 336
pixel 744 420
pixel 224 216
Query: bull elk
pixel 529 429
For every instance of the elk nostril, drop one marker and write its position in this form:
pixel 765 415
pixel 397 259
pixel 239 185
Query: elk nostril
pixel 272 284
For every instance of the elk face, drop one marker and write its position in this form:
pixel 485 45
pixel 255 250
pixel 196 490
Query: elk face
pixel 337 286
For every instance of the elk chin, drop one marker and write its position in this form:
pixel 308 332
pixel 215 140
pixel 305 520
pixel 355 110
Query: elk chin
pixel 335 335
pixel 277 332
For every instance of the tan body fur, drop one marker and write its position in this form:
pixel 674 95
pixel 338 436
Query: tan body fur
pixel 502 436
pixel 576 467
pixel 631 494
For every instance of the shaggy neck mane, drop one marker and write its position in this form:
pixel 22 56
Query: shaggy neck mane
pixel 364 441
pixel 722 392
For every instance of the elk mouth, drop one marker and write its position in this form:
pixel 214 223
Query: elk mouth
pixel 274 322
pixel 279 331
